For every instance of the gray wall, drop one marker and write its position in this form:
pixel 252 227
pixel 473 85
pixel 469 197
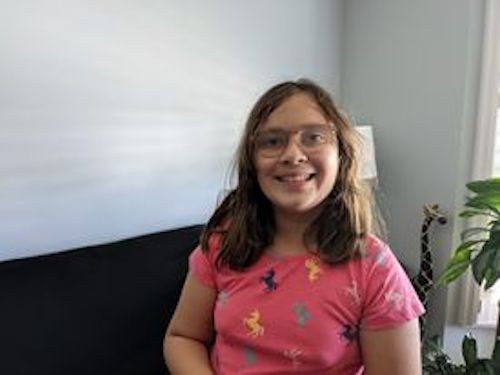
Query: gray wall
pixel 411 69
pixel 119 118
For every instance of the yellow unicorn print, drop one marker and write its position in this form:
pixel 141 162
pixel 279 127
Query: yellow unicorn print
pixel 255 329
pixel 313 269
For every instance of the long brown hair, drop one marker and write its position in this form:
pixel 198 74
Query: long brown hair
pixel 245 221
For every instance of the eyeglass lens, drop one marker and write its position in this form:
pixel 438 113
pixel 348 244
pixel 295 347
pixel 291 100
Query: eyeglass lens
pixel 273 142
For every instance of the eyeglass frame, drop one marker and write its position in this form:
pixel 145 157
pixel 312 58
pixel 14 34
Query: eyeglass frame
pixel 289 133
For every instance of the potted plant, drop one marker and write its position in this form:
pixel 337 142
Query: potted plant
pixel 436 362
pixel 480 250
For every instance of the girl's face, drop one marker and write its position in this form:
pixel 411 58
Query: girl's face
pixel 296 156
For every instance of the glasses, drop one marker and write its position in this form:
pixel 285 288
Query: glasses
pixel 272 143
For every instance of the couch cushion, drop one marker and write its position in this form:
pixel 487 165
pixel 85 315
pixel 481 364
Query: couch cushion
pixel 95 310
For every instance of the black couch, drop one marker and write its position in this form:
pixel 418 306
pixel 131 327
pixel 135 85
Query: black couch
pixel 95 310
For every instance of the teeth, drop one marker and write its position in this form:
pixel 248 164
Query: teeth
pixel 295 178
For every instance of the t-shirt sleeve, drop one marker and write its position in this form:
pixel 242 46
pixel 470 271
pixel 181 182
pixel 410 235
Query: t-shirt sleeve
pixel 389 297
pixel 202 268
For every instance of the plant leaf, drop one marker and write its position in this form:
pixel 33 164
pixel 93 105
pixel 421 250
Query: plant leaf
pixel 466 246
pixel 494 225
pixel 495 356
pixel 494 241
pixel 488 265
pixel 491 278
pixel 469 350
pixel 472 232
pixel 494 275
pixel 490 202
pixel 482 264
pixel 459 262
pixel 457 266
pixel 472 213
pixel 481 367
pixel 484 186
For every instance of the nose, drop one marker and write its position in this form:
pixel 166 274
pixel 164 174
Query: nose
pixel 293 153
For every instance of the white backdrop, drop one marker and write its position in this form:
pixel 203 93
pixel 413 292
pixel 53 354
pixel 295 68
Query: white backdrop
pixel 119 118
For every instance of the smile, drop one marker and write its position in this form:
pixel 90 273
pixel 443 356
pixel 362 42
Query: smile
pixel 296 178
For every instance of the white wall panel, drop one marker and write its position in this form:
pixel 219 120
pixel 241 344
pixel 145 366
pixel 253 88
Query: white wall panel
pixel 119 118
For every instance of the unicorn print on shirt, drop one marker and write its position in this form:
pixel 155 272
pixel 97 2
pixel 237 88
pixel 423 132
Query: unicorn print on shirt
pixel 394 299
pixel 268 280
pixel 301 313
pixel 222 297
pixel 380 258
pixel 353 293
pixel 348 333
pixel 250 356
pixel 293 355
pixel 254 327
pixel 313 269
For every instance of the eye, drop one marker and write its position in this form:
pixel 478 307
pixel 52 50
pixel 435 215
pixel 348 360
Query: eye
pixel 313 137
pixel 271 140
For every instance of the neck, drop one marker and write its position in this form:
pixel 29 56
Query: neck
pixel 290 229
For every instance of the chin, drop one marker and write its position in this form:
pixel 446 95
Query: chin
pixel 298 209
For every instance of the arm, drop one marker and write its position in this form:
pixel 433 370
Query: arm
pixel 189 331
pixel 394 351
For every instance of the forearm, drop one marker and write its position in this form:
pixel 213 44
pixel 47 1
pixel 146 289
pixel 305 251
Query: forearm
pixel 185 356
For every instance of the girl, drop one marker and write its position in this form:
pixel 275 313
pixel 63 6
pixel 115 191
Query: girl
pixel 289 277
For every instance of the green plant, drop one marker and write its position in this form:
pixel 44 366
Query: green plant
pixel 436 362
pixel 480 247
pixel 480 250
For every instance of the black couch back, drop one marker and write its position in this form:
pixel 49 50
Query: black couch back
pixel 96 310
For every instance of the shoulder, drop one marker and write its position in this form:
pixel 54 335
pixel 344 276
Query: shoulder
pixel 203 261
pixel 378 253
pixel 374 244
pixel 378 267
pixel 209 252
pixel 389 296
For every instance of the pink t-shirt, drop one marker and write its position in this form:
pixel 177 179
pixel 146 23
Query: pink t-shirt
pixel 297 314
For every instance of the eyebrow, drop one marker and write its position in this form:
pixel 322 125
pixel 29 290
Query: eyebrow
pixel 281 127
